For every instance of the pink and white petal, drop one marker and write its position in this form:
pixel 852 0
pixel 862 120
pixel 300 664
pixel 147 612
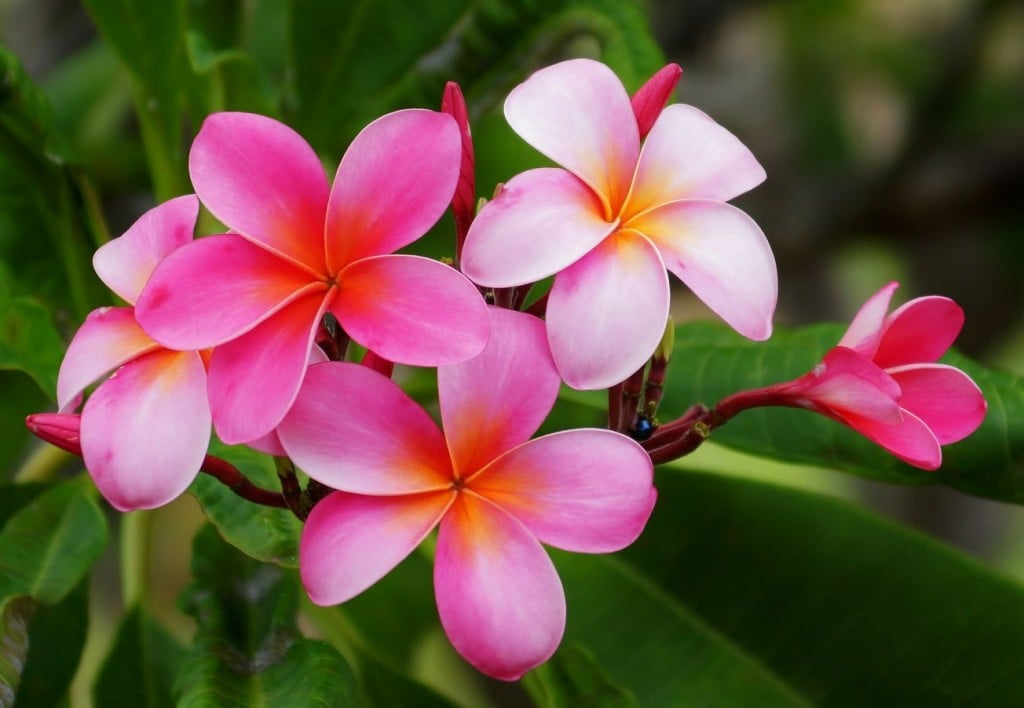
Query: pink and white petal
pixel 722 255
pixel 649 100
pixel 497 400
pixel 125 263
pixel 848 383
pixel 108 338
pixel 865 331
pixel 412 310
pixel 541 222
pixel 146 429
pixel 910 439
pixel 498 594
pixel 585 490
pixel 254 379
pixel 945 398
pixel 351 541
pixel 394 182
pixel 216 289
pixel 356 430
pixel 578 114
pixel 261 179
pixel 607 312
pixel 919 331
pixel 687 155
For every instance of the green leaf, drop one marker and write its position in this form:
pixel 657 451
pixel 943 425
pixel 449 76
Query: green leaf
pixel 265 533
pixel 29 342
pixel 247 650
pixel 846 608
pixel 56 639
pixel 49 546
pixel 140 669
pixel 711 361
pixel 641 643
pixel 391 54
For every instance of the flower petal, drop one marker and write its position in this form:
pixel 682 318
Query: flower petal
pixel 356 430
pixel 108 338
pixel 215 289
pixel 541 222
pixel 910 439
pixel 498 594
pixel 649 100
pixel 865 331
pixel 254 379
pixel 849 384
pixel 946 399
pixel 395 180
pixel 412 310
pixel 497 400
pixel 689 156
pixel 264 181
pixel 607 312
pixel 351 541
pixel 578 114
pixel 585 490
pixel 146 429
pixel 919 331
pixel 722 256
pixel 125 263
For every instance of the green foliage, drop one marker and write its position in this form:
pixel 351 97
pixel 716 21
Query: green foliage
pixel 140 669
pixel 711 361
pixel 29 342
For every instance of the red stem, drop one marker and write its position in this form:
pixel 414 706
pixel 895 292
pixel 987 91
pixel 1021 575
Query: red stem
pixel 229 475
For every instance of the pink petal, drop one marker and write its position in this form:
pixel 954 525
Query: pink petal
pixel 264 181
pixel 395 180
pixel 254 379
pixel 689 156
pixel 497 400
pixel 108 338
pixel 498 594
pixel 865 331
pixel 145 430
pixel 578 114
pixel 356 430
pixel 910 439
pixel 541 222
pixel 607 313
pixel 649 100
pixel 216 289
pixel 589 491
pixel 848 383
pixel 350 542
pixel 60 429
pixel 126 263
pixel 919 331
pixel 722 256
pixel 412 310
pixel 946 399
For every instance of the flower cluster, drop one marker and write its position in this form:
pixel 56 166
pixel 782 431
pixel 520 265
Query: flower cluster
pixel 247 332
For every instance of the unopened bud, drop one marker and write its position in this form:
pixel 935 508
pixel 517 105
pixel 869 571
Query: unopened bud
pixel 60 429
pixel 663 354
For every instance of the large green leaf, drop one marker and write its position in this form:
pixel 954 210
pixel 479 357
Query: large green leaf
pixel 247 650
pixel 49 545
pixel 265 533
pixel 711 361
pixel 391 54
pixel 140 669
pixel 29 342
pixel 845 608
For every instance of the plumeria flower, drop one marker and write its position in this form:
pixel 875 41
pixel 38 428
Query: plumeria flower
pixel 300 248
pixel 619 214
pixel 145 430
pixel 496 494
pixel 883 381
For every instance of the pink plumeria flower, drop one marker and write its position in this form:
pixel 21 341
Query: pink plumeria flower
pixel 299 248
pixel 610 223
pixel 145 430
pixel 883 381
pixel 496 494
